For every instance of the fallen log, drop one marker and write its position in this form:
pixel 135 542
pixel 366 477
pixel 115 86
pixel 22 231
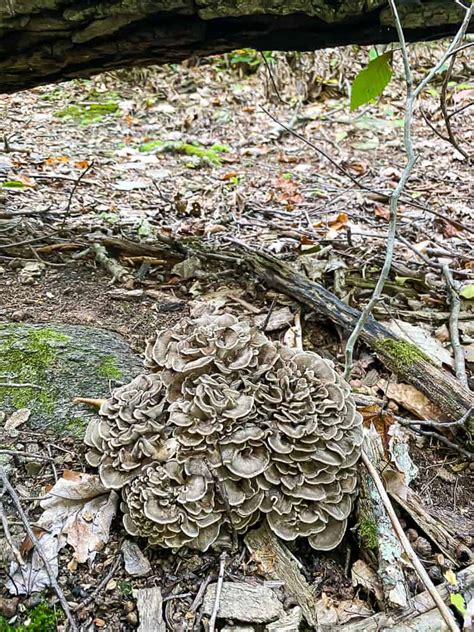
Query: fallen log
pixel 405 359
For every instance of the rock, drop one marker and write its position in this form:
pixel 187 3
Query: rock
pixel 65 361
pixel 136 563
pixel 8 607
pixel 242 602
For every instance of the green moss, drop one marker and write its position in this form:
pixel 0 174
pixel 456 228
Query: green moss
pixel 108 368
pixel 203 156
pixel 12 184
pixel 41 618
pixel 404 354
pixel 151 145
pixel 85 114
pixel 368 533
pixel 26 361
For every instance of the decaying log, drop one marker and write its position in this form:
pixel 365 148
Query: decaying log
pixel 42 41
pixel 278 563
pixel 389 550
pixel 403 358
pixel 420 616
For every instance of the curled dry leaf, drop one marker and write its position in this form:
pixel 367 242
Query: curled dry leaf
pixel 78 510
pixel 363 575
pixel 18 418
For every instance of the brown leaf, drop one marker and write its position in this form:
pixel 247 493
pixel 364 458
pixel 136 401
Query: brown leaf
pixel 380 419
pixel 413 400
pixel 380 210
pixel 339 221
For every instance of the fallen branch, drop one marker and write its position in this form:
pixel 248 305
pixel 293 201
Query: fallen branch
pixel 220 581
pixel 403 358
pixel 389 550
pixel 417 565
pixel 278 563
pixel 39 549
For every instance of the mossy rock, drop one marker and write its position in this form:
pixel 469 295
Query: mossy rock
pixel 64 361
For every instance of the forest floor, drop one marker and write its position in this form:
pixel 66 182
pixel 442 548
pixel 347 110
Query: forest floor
pixel 219 149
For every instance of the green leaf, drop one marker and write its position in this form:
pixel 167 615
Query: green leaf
pixel 467 291
pixel 371 81
pixel 458 602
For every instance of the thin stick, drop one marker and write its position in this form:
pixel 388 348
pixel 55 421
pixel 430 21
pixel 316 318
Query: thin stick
pixel 455 305
pixel 412 94
pixel 39 549
pixel 8 536
pixel 105 580
pixel 15 385
pixel 298 329
pixel 220 581
pixel 418 566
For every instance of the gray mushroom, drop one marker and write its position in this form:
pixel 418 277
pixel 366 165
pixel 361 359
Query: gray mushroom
pixel 229 429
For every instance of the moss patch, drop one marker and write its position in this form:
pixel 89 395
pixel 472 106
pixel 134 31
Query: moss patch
pixel 85 114
pixel 201 155
pixel 404 354
pixel 368 533
pixel 41 618
pixel 108 368
pixel 26 361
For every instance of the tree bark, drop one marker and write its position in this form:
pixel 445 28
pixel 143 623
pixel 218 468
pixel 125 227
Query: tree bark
pixel 43 41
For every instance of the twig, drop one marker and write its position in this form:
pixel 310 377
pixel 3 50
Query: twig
pixel 220 581
pixel 15 385
pixel 441 438
pixel 104 581
pixel 298 329
pixel 444 108
pixel 27 455
pixel 269 313
pixel 77 182
pixel 455 305
pixel 412 94
pixel 118 272
pixel 39 549
pixel 89 401
pixel 8 536
pixel 418 566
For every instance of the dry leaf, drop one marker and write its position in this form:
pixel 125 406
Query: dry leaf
pixel 339 221
pixel 413 400
pixel 363 575
pixel 78 510
pixel 380 210
pixel 17 418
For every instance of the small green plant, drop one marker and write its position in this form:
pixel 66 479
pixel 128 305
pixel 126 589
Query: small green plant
pixel 201 155
pixel 246 60
pixel 12 184
pixel 86 114
pixel 125 588
pixel 41 618
pixel 368 533
pixel 371 81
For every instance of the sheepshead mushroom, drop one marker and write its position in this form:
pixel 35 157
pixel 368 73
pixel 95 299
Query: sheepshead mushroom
pixel 173 506
pixel 130 431
pixel 230 429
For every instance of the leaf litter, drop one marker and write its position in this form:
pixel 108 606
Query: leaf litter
pixel 268 190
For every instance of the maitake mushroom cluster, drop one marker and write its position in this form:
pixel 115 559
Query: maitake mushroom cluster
pixel 229 428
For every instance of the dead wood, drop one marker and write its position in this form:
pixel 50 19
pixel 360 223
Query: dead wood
pixel 278 563
pixel 405 359
pixel 420 615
